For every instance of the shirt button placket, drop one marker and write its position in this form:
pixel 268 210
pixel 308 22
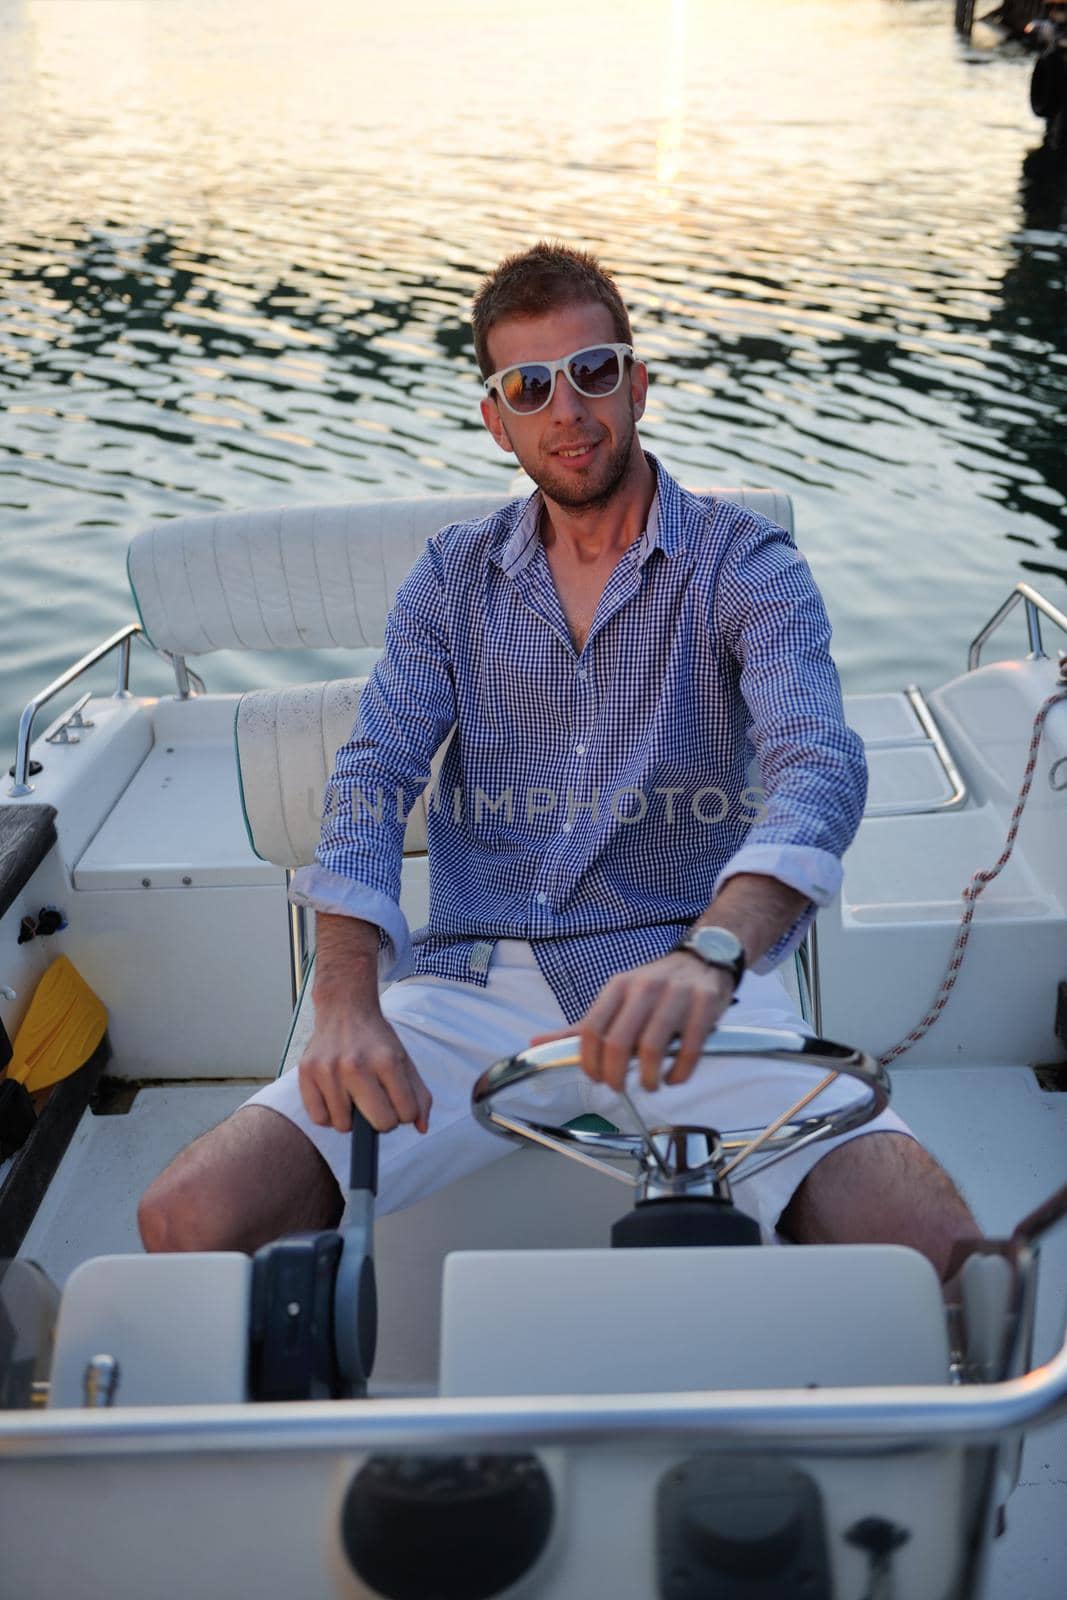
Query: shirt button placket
pixel 581 677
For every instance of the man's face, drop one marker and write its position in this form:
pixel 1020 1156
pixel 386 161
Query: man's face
pixel 577 450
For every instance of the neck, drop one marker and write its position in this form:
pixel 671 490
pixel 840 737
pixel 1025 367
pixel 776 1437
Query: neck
pixel 603 530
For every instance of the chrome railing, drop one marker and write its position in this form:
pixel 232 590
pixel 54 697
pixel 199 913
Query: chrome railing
pixel 299 944
pixel 1036 607
pixel 120 641
pixel 928 737
pixel 188 682
pixel 860 1419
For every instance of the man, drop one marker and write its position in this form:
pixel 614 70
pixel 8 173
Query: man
pixel 608 652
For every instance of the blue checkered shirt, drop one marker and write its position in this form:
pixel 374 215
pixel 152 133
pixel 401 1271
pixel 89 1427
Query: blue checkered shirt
pixel 593 802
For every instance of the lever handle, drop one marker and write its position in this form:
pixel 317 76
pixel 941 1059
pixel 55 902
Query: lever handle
pixel 355 1289
pixel 364 1169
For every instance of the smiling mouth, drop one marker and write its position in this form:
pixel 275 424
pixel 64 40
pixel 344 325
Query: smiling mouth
pixel 569 452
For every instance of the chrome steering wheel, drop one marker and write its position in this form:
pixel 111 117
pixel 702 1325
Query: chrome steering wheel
pixel 689 1160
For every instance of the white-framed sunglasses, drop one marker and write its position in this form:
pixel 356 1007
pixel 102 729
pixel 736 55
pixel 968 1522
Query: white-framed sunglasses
pixel 595 372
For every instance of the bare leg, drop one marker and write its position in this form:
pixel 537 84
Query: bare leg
pixel 882 1188
pixel 251 1179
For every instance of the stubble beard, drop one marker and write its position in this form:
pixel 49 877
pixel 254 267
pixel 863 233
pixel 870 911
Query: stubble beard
pixel 591 496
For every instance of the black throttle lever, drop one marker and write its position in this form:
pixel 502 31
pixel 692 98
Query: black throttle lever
pixel 355 1300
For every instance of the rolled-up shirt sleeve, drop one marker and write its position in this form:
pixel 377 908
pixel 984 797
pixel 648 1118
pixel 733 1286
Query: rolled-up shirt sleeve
pixel 813 772
pixel 320 889
pixel 405 710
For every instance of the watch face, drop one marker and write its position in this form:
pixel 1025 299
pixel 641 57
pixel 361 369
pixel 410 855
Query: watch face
pixel 716 944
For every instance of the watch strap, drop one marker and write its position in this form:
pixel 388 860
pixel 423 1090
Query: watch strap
pixel 689 944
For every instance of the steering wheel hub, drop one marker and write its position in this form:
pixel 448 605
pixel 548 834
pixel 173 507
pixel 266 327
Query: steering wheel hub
pixel 682 1161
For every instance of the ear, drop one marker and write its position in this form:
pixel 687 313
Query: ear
pixel 638 388
pixel 494 422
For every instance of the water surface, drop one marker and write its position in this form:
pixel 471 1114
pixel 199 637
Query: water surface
pixel 238 243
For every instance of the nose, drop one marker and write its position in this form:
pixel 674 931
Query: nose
pixel 566 404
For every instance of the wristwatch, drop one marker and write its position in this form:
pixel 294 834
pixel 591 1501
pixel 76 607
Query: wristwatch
pixel 716 947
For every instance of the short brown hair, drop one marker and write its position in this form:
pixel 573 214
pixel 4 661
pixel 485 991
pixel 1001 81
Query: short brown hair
pixel 541 279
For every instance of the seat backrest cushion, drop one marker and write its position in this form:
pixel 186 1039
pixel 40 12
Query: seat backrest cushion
pixel 286 742
pixel 304 577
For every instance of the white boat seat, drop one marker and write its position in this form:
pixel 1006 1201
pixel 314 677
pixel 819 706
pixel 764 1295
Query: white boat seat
pixel 305 577
pixel 286 741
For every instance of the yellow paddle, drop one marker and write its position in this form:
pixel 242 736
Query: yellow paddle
pixel 60 1031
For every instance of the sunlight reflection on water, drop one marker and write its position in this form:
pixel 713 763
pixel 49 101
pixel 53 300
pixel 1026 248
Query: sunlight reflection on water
pixel 240 244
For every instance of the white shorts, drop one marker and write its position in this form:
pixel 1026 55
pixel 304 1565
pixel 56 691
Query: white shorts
pixel 452 1031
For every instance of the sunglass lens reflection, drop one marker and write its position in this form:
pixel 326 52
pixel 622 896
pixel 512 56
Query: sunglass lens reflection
pixel 526 388
pixel 595 372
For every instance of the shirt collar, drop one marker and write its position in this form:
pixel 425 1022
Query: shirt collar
pixel 664 529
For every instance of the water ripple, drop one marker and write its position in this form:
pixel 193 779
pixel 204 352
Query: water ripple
pixel 237 259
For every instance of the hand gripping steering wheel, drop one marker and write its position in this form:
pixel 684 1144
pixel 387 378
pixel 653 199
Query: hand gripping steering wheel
pixel 687 1164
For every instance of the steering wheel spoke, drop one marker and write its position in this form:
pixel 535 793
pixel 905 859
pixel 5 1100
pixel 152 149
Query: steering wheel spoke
pixel 663 1158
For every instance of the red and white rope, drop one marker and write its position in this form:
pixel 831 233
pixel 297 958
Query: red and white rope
pixel 974 889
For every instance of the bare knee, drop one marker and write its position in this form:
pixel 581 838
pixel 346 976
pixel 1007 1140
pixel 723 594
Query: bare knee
pixel 153 1219
pixel 188 1206
pixel 883 1188
pixel 213 1195
pixel 169 1218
